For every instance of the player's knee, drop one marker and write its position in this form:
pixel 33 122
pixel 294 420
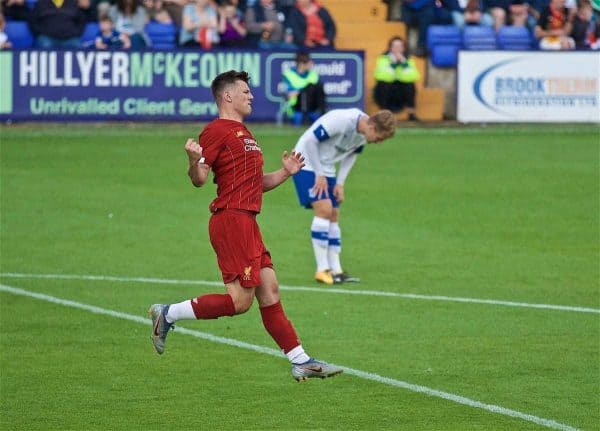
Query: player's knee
pixel 325 212
pixel 242 304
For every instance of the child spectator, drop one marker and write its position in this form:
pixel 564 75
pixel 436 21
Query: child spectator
pixel 109 38
pixel 199 25
pixel 311 25
pixel 232 30
pixel 396 74
pixel 553 27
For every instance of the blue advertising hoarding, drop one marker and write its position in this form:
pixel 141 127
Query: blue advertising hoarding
pixel 156 85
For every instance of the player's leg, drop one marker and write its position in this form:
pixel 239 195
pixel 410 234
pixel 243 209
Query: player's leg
pixel 334 250
pixel 274 319
pixel 237 300
pixel 335 242
pixel 319 231
pixel 228 233
pixel 304 181
pixel 282 331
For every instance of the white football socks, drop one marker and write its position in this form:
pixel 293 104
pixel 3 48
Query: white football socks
pixel 320 241
pixel 297 355
pixel 335 247
pixel 180 311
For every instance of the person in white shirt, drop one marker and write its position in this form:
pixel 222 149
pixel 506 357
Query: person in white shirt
pixel 335 138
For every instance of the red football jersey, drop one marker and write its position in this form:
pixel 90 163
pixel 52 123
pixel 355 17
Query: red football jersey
pixel 236 160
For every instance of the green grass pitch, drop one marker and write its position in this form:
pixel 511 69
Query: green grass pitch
pixel 506 217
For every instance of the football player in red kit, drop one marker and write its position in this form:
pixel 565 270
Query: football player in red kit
pixel 229 149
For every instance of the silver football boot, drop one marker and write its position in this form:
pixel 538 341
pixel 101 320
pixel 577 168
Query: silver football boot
pixel 314 369
pixel 160 326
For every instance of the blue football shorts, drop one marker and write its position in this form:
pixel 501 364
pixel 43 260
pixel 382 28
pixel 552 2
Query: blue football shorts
pixel 305 181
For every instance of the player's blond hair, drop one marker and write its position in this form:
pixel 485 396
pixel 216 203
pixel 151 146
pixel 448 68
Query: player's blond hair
pixel 385 123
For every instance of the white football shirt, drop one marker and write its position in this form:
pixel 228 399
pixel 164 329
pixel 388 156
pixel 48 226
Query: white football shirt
pixel 335 136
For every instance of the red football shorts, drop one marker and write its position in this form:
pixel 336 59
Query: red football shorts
pixel 235 237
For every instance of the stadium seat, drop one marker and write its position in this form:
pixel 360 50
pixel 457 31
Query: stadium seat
pixel 163 36
pixel 479 37
pixel 514 38
pixel 19 34
pixel 443 34
pixel 88 38
pixel 443 55
pixel 443 43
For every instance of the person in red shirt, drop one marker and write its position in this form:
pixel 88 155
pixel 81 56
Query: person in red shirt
pixel 230 150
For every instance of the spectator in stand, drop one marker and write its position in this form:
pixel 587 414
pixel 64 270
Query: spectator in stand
pixel 498 9
pixel 469 12
pixel 395 76
pixel 553 28
pixel 175 10
pixel 305 95
pixel 311 25
pixel 130 18
pixel 57 24
pixel 109 38
pixel 518 13
pixel 4 42
pixel 535 9
pixel 264 22
pixel 199 25
pixel 89 9
pixel 15 9
pixel 232 29
pixel 586 27
pixel 156 11
pixel 421 14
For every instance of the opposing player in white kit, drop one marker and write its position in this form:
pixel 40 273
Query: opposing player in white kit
pixel 335 138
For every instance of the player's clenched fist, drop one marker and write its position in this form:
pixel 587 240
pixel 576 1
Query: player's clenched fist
pixel 193 150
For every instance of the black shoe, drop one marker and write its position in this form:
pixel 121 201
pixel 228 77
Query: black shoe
pixel 344 277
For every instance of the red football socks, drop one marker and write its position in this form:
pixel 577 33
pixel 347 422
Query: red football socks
pixel 213 306
pixel 279 327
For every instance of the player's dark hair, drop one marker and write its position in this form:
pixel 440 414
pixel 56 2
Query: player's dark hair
pixel 225 79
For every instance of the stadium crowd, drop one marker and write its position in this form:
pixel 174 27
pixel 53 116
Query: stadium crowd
pixel 552 24
pixel 202 24
pixel 282 24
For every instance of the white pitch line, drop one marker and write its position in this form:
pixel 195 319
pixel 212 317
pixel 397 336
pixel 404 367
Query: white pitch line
pixel 310 289
pixel 273 352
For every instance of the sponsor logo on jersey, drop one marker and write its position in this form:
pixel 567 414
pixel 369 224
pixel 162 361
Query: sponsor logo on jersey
pixel 320 133
pixel 251 145
pixel 239 133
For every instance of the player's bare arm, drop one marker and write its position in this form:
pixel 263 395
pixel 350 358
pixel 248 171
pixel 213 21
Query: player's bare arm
pixel 338 192
pixel 320 187
pixel 292 163
pixel 197 170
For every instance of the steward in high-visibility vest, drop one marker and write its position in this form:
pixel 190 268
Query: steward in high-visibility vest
pixel 395 76
pixel 304 91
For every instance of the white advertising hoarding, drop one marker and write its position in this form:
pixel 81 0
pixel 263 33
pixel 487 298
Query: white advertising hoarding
pixel 499 86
